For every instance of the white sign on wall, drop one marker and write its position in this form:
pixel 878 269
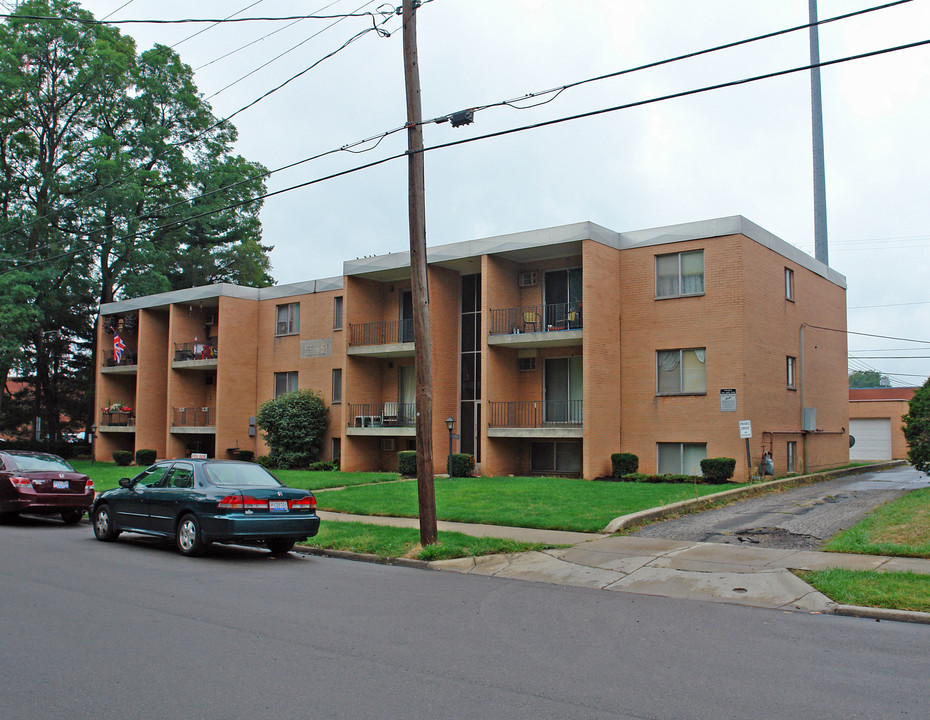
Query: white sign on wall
pixel 745 429
pixel 728 400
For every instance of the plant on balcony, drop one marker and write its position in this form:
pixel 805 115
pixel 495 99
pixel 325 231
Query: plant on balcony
pixel 293 425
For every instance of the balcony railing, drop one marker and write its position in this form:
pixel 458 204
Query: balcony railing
pixel 193 417
pixel 118 417
pixel 535 414
pixel 128 358
pixel 381 333
pixel 536 318
pixel 389 414
pixel 196 350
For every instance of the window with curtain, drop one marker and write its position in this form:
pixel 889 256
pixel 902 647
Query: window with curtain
pixel 337 312
pixel 679 274
pixel 288 319
pixel 680 458
pixel 284 383
pixel 681 371
pixel 337 386
pixel 790 367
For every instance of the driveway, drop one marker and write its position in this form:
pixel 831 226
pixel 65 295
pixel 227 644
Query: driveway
pixel 803 518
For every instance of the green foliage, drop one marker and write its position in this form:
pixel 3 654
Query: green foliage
pixel 718 470
pixel 265 462
pixel 293 424
pixel 917 429
pixel 321 466
pixel 872 588
pixel 624 464
pixel 407 463
pixel 122 457
pixel 868 379
pixel 244 455
pixel 463 465
pixel 145 457
pixel 642 478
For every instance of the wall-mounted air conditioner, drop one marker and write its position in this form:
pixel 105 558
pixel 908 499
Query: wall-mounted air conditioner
pixel 528 279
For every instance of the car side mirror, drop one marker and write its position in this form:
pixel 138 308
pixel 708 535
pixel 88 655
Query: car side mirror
pixel 125 482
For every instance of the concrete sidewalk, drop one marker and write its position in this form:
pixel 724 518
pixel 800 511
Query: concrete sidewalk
pixel 714 572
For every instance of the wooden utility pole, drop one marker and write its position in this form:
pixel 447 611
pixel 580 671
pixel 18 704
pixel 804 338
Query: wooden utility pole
pixel 423 354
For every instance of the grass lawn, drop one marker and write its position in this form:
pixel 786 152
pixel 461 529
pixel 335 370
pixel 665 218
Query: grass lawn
pixel 868 588
pixel 106 476
pixel 899 528
pixel 392 542
pixel 550 503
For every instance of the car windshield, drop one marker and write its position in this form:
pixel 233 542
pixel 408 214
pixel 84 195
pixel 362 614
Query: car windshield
pixel 41 462
pixel 237 475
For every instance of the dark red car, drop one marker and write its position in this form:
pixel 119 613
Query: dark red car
pixel 43 484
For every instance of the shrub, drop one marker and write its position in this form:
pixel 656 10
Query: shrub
pixel 265 461
pixel 145 457
pixel 917 429
pixel 641 478
pixel 122 457
pixel 463 465
pixel 244 455
pixel 718 470
pixel 321 466
pixel 293 424
pixel 407 462
pixel 624 463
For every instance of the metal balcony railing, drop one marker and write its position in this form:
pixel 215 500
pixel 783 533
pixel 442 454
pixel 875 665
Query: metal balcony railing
pixel 118 417
pixel 381 333
pixel 389 414
pixel 196 350
pixel 536 318
pixel 536 414
pixel 128 358
pixel 193 417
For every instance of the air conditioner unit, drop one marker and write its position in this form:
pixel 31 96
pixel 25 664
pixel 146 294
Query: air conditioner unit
pixel 527 279
pixel 387 444
pixel 282 328
pixel 210 320
pixel 526 363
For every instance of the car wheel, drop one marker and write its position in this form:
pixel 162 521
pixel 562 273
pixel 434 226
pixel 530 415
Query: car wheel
pixel 103 524
pixel 189 539
pixel 279 547
pixel 71 517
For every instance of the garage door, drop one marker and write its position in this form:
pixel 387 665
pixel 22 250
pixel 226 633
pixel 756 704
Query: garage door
pixel 873 438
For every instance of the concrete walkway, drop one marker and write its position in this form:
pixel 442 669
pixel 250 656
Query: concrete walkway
pixel 714 572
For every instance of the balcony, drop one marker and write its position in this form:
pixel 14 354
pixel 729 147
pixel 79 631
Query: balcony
pixel 196 354
pixel 127 364
pixel 536 419
pixel 388 338
pixel 388 419
pixel 117 421
pixel 555 325
pixel 193 419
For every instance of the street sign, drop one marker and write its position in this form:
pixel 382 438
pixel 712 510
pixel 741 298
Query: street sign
pixel 745 429
pixel 728 400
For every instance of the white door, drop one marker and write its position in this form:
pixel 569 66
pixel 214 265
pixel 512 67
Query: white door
pixel 873 438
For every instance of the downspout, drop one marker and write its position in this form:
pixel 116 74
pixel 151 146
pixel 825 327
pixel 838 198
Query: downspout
pixel 801 381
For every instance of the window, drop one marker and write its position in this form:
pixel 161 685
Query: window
pixel 792 456
pixel 680 372
pixel 337 449
pixel 681 458
pixel 284 383
pixel 337 313
pixel 680 274
pixel 337 386
pixel 791 366
pixel 789 284
pixel 556 457
pixel 288 319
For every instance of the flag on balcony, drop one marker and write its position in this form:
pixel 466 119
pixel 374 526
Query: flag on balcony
pixel 118 347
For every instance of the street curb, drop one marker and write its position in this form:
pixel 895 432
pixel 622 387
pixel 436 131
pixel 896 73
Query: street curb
pixel 870 613
pixel 625 521
pixel 364 557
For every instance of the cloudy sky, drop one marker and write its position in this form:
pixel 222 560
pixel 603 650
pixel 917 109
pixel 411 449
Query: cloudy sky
pixel 743 150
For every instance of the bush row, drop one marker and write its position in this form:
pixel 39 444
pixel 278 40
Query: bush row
pixel 61 448
pixel 463 465
pixel 714 471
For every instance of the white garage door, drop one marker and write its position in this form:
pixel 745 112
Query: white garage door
pixel 873 438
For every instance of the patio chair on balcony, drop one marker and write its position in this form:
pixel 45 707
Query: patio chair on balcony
pixel 530 318
pixel 389 418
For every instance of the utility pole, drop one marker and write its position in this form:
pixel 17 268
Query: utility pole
pixel 821 251
pixel 423 354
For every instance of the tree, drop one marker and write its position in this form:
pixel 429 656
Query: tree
pixel 917 429
pixel 116 181
pixel 293 424
pixel 868 379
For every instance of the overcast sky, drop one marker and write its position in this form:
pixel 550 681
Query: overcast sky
pixel 744 150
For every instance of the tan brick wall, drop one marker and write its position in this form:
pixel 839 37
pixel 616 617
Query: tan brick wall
pixel 238 342
pixel 152 382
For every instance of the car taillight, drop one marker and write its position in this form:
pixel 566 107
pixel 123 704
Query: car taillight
pixel 231 502
pixel 304 503
pixel 89 486
pixel 21 483
pixel 254 503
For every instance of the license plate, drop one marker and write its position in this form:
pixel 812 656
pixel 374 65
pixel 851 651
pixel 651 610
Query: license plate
pixel 277 505
pixel 60 484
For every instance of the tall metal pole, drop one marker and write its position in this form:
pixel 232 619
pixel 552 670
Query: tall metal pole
pixel 423 357
pixel 821 251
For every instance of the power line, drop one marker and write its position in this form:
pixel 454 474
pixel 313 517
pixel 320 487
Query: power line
pixel 203 30
pixel 546 123
pixel 884 337
pixel 384 14
pixel 869 307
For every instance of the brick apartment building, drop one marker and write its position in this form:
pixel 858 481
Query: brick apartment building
pixel 551 349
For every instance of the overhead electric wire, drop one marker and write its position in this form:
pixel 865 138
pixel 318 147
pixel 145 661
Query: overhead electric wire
pixel 534 126
pixel 210 27
pixel 217 21
pixel 128 2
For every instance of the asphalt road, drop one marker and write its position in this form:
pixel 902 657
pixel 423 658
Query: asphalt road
pixel 133 630
pixel 803 518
